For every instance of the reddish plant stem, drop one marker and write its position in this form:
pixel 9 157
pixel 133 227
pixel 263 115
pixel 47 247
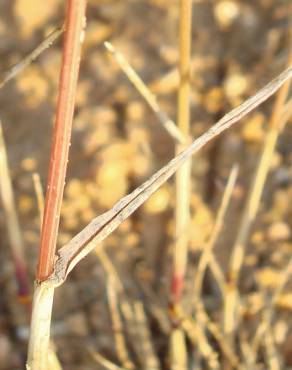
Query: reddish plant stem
pixel 74 28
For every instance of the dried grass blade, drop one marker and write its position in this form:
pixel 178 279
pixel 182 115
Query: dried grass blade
pixel 98 229
pixel 20 66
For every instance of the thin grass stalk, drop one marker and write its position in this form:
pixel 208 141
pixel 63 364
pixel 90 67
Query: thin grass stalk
pixel 155 304
pixel 12 223
pixel 270 308
pixel 149 97
pixel 248 356
pixel 189 326
pixel 133 325
pixel 31 57
pixel 119 337
pixel 178 350
pixel 183 176
pixel 44 292
pixel 208 258
pixel 197 336
pixel 103 361
pixel 272 356
pixel 127 310
pixel 110 269
pixel 207 253
pixel 274 129
pixel 147 349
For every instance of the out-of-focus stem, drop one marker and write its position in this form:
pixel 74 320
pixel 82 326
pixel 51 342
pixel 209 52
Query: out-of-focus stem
pixel 252 204
pixel 13 228
pixel 149 97
pixel 39 195
pixel 178 350
pixel 20 66
pixel 183 175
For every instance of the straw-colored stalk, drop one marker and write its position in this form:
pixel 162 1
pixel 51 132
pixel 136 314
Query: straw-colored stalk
pixel 149 97
pixel 207 253
pixel 183 183
pixel 118 330
pixel 183 175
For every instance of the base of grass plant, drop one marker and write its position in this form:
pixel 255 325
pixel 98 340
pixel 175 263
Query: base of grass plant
pixel 38 347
